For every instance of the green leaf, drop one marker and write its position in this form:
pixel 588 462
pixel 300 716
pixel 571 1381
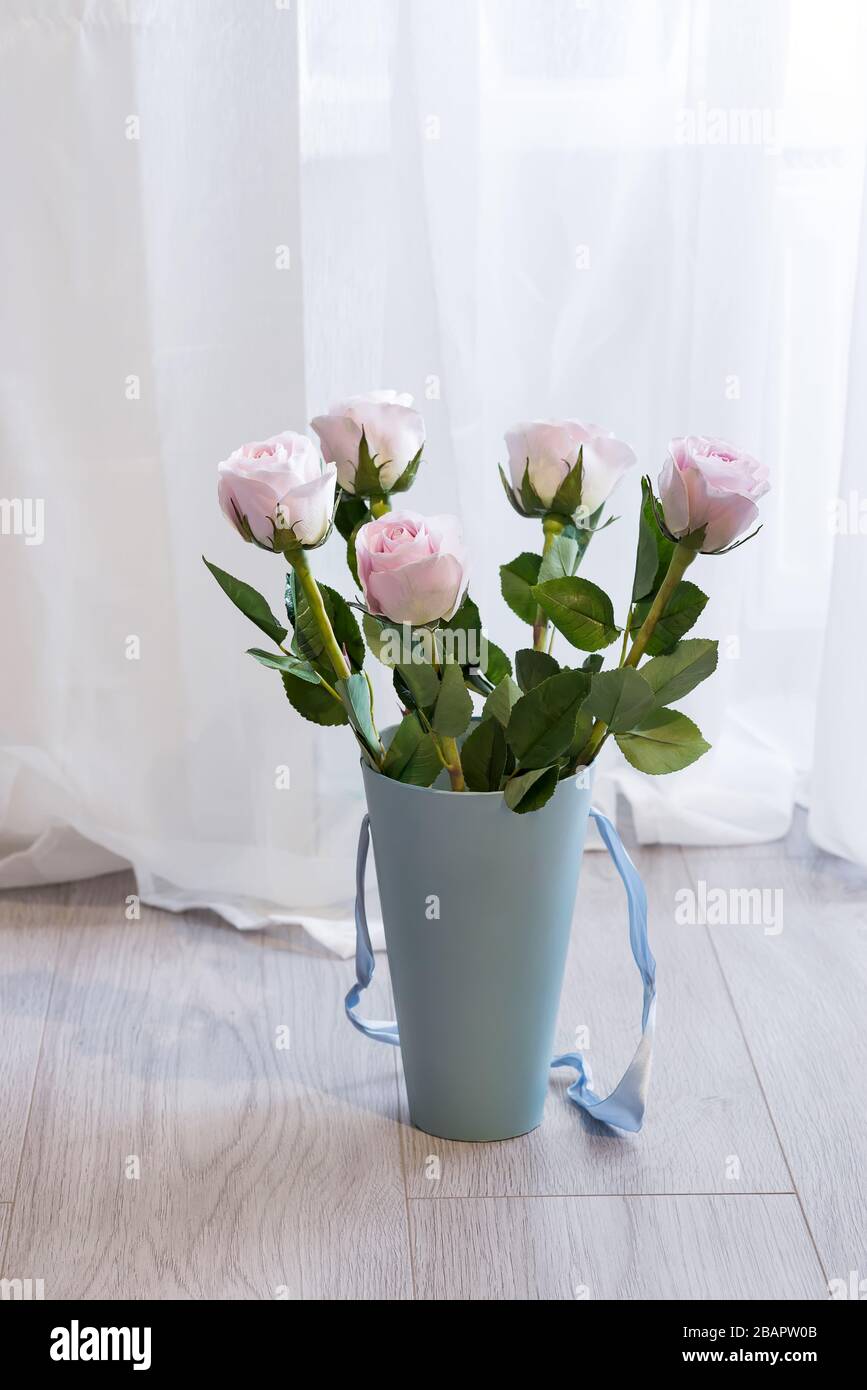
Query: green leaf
pixel 531 668
pixel 412 756
pixel 501 700
pixel 530 790
pixel 483 756
pixel 351 556
pixel 580 610
pixel 560 561
pixel 313 702
pixel 422 682
pixel 675 675
pixel 346 628
pixel 619 698
pixel 665 741
pixel 654 549
pixel 466 620
pixel 356 697
pixel 384 637
pixel 583 730
pixel 308 639
pixel 495 664
pixel 593 663
pixel 516 582
pixel 682 611
pixel 351 513
pixel 454 707
pixel 250 602
pixel 279 661
pixel 542 724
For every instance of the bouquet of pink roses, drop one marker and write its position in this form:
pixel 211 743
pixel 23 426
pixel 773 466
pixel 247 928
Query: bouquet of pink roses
pixel 540 717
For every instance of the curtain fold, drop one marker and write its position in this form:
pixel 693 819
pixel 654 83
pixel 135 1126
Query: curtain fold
pixel 227 216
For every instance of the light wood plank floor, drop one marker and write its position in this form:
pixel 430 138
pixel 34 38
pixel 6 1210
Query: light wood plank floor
pixel 185 1113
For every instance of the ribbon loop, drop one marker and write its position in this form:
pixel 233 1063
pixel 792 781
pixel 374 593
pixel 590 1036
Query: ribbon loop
pixel 625 1106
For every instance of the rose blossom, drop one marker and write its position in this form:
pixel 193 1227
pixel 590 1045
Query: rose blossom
pixel 707 482
pixel 278 489
pixel 552 450
pixel 394 433
pixel 412 569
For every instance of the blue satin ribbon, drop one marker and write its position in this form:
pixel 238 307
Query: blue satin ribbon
pixel 624 1107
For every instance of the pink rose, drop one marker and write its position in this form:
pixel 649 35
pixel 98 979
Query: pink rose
pixel 551 448
pixel 706 482
pixel 394 433
pixel 412 569
pixel 279 492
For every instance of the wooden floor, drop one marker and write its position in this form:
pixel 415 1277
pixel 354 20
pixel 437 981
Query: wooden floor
pixel 157 1140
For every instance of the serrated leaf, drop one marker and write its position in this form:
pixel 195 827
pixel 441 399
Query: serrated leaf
pixel 583 730
pixel 483 756
pixel 516 582
pixel 355 693
pixel 313 702
pixel 665 741
pixel 580 610
pixel 421 681
pixel 560 560
pixel 385 638
pixel 279 661
pixel 654 549
pixel 351 513
pixel 619 698
pixel 466 620
pixel 501 700
pixel 412 756
pixel 684 608
pixel 675 675
pixel 309 641
pixel 495 663
pixel 352 554
pixel 532 667
pixel 528 791
pixel 250 602
pixel 454 706
pixel 542 723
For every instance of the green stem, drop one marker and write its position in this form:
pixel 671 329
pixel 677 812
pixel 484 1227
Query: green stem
pixel 593 744
pixel 325 686
pixel 338 662
pixel 626 632
pixel 682 557
pixel 551 526
pixel 379 506
pixel 452 761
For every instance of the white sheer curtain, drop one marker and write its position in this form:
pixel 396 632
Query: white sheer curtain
pixel 226 214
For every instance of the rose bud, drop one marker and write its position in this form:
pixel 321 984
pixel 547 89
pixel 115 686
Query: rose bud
pixel 278 493
pixel 545 472
pixel 375 440
pixel 412 569
pixel 708 483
